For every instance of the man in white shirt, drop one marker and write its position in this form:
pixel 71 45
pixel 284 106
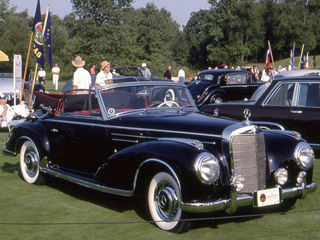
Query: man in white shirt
pixel 42 76
pixel 5 110
pixel 145 71
pixel 81 77
pixel 104 77
pixel 55 76
pixel 181 75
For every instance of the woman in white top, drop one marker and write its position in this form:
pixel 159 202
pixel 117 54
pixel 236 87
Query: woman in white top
pixel 104 76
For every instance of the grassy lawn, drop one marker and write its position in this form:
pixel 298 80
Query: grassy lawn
pixel 61 210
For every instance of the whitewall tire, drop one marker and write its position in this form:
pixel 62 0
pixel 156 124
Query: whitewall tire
pixel 163 202
pixel 30 163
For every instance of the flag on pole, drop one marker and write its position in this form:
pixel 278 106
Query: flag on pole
pixel 306 62
pixel 48 36
pixel 268 59
pixel 38 39
pixel 302 57
pixel 292 57
pixel 314 60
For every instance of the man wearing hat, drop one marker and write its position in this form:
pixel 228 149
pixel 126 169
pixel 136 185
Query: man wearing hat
pixel 81 77
pixel 145 71
pixel 5 110
pixel 104 77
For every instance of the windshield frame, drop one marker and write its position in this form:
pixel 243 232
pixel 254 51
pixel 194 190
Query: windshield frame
pixel 107 113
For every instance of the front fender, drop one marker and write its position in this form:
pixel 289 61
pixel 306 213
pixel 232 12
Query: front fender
pixel 123 169
pixel 28 131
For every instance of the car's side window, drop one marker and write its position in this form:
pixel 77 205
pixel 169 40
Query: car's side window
pixel 282 96
pixel 309 95
pixel 80 104
pixel 208 77
pixel 237 79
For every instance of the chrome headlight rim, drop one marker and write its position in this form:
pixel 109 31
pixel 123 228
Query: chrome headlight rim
pixel 207 168
pixel 304 156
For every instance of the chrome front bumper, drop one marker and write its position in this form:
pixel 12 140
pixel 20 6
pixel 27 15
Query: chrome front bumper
pixel 230 205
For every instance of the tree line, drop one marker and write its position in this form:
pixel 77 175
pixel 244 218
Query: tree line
pixel 233 32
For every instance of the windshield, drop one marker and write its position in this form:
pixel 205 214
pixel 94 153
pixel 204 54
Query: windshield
pixel 123 99
pixel 256 95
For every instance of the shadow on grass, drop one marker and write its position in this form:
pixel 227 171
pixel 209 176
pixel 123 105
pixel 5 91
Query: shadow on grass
pixel 10 168
pixel 110 201
pixel 122 204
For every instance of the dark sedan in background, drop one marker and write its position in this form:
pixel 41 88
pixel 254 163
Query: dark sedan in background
pixel 220 85
pixel 292 102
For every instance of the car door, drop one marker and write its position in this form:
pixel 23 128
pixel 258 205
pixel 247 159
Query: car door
pixel 239 86
pixel 277 106
pixel 79 140
pixel 304 116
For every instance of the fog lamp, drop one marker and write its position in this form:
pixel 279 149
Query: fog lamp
pixel 239 181
pixel 281 176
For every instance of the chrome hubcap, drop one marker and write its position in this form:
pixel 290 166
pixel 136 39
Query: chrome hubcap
pixel 31 162
pixel 167 202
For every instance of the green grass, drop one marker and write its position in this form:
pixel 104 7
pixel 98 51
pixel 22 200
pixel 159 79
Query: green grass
pixel 61 210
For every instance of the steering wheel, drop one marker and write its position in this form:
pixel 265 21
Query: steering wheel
pixel 169 104
pixel 169 96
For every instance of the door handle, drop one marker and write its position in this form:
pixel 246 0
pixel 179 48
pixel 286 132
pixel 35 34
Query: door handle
pixel 54 130
pixel 296 111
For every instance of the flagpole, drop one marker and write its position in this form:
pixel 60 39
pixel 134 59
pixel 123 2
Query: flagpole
pixel 45 20
pixel 26 66
pixel 34 80
pixel 271 53
pixel 300 56
pixel 43 30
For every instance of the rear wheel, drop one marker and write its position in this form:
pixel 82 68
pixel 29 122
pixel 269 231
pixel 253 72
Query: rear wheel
pixel 163 202
pixel 30 164
pixel 217 98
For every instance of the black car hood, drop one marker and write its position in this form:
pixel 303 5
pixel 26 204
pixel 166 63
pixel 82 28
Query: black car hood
pixel 174 120
pixel 198 87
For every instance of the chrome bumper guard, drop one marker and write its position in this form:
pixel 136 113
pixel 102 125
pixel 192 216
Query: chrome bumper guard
pixel 230 205
pixel 7 152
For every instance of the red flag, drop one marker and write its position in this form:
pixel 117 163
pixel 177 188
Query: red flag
pixel 268 59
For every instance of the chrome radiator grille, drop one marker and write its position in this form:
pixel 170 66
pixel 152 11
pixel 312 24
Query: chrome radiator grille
pixel 249 160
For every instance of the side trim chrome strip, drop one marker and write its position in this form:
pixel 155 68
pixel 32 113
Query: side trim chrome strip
pixel 135 129
pixel 44 168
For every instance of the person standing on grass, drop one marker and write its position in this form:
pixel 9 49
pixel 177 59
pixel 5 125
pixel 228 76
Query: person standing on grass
pixel 81 77
pixel 55 76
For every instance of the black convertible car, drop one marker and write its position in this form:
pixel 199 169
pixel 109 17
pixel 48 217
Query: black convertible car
pixel 220 85
pixel 292 102
pixel 147 140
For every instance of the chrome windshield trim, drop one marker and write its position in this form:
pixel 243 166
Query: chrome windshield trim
pixel 130 84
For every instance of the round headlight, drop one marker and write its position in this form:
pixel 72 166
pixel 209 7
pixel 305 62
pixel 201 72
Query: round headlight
pixel 304 156
pixel 207 168
pixel 281 176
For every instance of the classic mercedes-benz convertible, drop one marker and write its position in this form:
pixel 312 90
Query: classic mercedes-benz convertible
pixel 147 140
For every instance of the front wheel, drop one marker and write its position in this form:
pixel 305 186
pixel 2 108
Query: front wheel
pixel 163 202
pixel 29 164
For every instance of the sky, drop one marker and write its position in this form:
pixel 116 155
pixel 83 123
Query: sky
pixel 180 9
